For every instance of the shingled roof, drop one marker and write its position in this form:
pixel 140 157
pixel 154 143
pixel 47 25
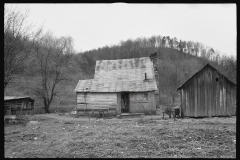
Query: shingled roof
pixel 120 75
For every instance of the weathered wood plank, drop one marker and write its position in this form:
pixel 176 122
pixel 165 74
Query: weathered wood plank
pixel 196 95
pixel 224 97
pixel 180 101
pixel 151 102
pixel 183 103
pixel 213 91
pixel 118 103
pixel 108 98
pixel 138 97
pixel 187 101
pixel 209 94
pixel 138 108
pixel 191 105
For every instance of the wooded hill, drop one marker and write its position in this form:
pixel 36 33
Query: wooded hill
pixel 177 60
pixel 174 68
pixel 46 67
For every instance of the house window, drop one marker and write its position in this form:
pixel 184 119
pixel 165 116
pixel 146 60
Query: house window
pixel 216 79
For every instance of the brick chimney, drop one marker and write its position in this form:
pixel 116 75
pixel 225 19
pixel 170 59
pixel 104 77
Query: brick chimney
pixel 154 59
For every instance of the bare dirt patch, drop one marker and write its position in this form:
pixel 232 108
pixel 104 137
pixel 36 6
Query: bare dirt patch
pixel 149 137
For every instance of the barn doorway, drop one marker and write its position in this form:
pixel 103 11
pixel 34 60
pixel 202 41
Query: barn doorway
pixel 125 102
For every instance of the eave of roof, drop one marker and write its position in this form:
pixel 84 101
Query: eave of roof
pixel 93 85
pixel 7 98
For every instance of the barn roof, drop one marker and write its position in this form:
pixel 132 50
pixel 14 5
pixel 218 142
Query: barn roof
pixel 6 98
pixel 207 65
pixel 120 75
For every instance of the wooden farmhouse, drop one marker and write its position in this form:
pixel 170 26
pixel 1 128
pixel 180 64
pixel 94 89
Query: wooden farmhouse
pixel 14 105
pixel 127 85
pixel 208 93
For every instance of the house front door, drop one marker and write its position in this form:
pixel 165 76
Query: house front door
pixel 125 102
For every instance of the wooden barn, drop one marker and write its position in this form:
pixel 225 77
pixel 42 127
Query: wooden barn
pixel 126 85
pixel 15 105
pixel 207 93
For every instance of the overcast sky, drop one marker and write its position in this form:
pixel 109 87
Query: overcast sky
pixel 97 25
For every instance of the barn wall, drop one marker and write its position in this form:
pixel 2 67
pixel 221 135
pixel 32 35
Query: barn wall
pixel 93 100
pixel 143 102
pixel 208 93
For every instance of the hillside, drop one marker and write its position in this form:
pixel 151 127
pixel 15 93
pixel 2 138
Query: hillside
pixel 177 62
pixel 174 66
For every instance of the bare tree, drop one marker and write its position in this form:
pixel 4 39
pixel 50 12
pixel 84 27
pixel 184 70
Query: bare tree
pixel 170 82
pixel 159 41
pixel 51 67
pixel 196 46
pixel 190 46
pixel 175 43
pixel 18 43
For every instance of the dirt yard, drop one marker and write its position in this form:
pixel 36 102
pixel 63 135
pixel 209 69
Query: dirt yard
pixel 150 136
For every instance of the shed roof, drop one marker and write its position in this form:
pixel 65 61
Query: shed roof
pixel 6 98
pixel 92 85
pixel 120 75
pixel 207 65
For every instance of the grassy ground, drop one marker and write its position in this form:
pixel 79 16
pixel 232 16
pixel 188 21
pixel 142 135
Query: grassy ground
pixel 150 136
pixel 59 108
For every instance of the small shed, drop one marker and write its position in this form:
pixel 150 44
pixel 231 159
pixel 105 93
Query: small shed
pixel 207 93
pixel 126 85
pixel 18 105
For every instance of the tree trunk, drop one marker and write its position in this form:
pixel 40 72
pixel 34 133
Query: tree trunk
pixel 46 108
pixel 46 105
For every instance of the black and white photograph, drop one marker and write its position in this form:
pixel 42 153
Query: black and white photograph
pixel 120 80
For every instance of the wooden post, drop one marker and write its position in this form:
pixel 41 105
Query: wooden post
pixel 85 95
pixel 88 116
pixel 21 109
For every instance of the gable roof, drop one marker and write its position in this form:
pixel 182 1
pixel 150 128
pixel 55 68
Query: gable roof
pixel 207 65
pixel 120 75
